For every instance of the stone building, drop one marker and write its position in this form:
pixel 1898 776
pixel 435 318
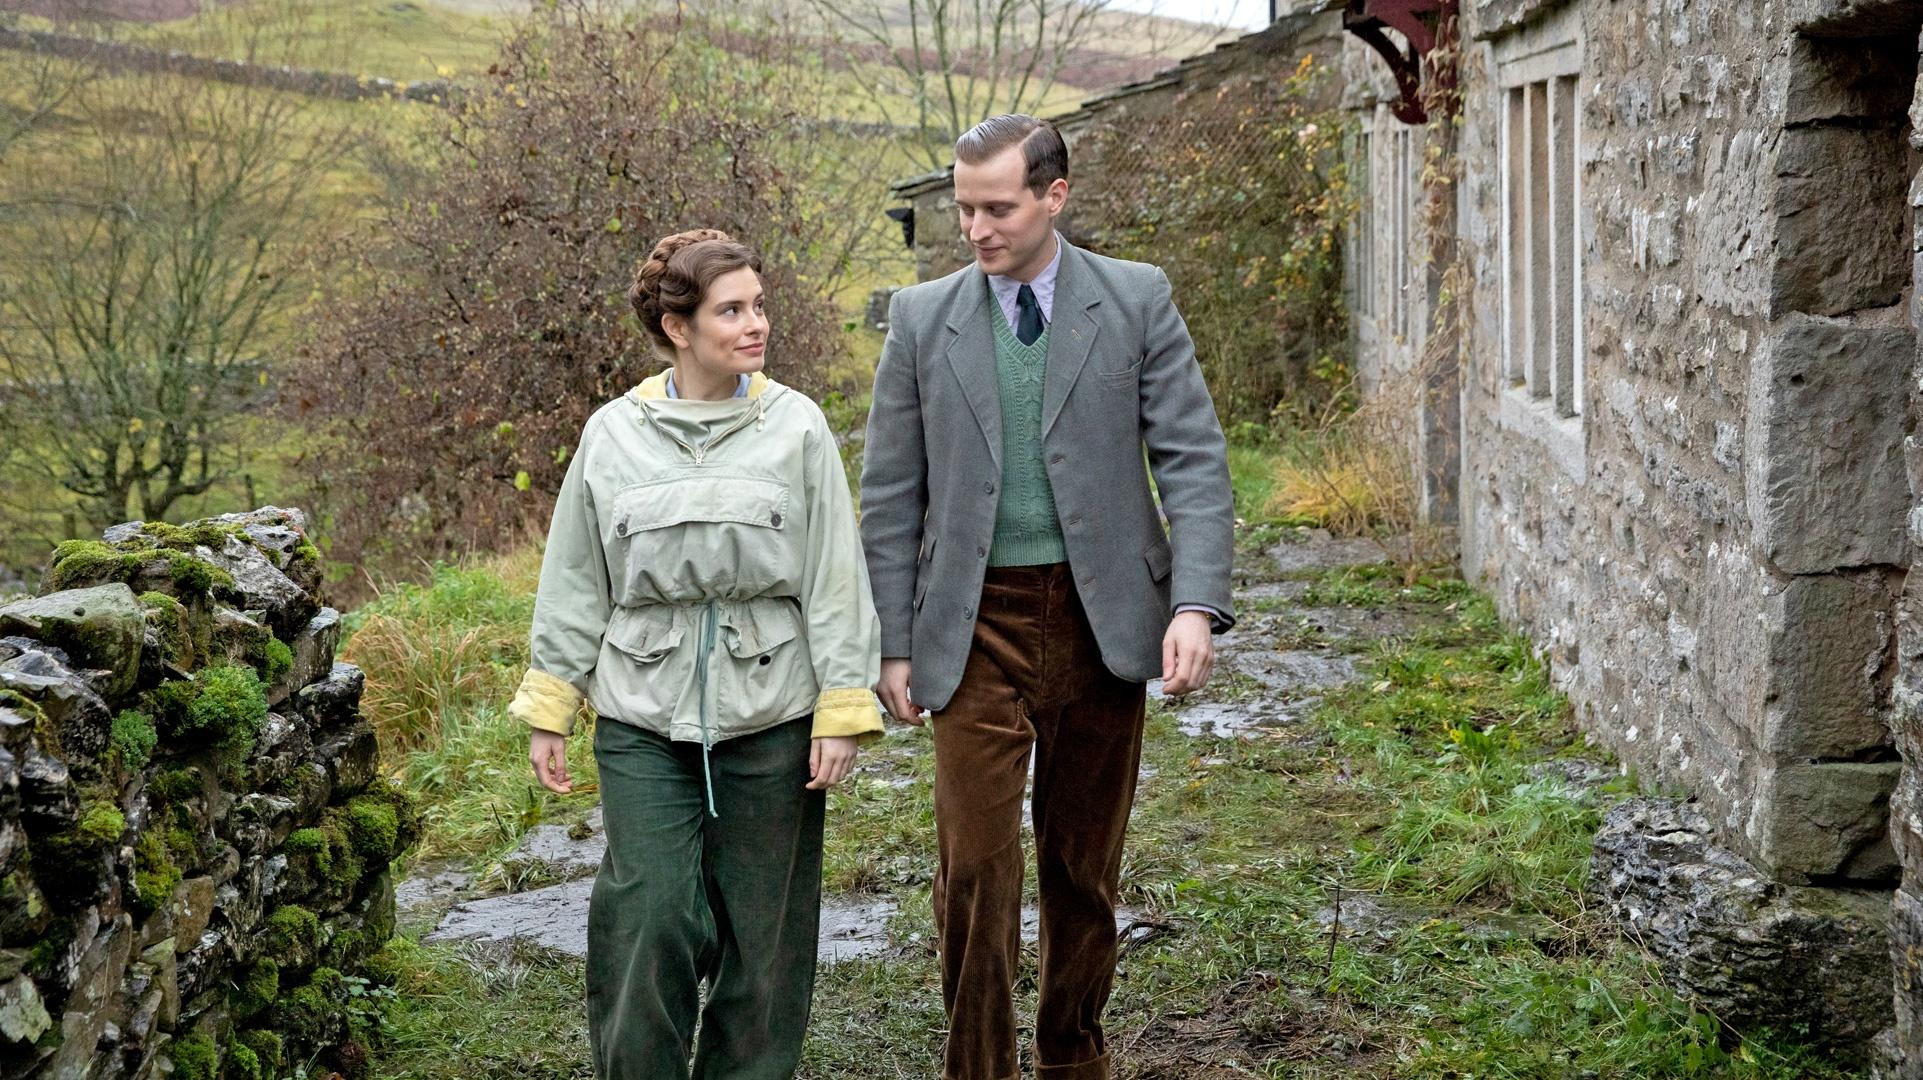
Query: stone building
pixel 1653 266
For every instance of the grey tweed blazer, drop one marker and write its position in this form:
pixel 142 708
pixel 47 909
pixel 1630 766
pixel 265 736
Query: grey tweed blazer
pixel 1122 377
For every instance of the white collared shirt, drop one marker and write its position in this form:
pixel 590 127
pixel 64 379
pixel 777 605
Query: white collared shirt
pixel 1007 288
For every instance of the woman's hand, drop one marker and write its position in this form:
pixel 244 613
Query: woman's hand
pixel 830 762
pixel 548 752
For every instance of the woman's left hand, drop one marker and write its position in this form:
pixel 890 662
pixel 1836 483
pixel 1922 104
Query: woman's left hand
pixel 830 762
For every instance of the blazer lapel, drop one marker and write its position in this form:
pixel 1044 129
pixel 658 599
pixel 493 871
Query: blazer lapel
pixel 1071 333
pixel 971 352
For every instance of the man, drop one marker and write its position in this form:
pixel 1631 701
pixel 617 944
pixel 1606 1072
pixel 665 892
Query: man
pixel 1025 585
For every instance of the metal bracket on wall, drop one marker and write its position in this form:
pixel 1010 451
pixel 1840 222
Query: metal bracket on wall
pixel 1423 24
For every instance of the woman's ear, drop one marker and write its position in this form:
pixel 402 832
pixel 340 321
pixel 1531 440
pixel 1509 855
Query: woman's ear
pixel 676 328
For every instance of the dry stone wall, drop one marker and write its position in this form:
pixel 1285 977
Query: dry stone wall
pixel 194 838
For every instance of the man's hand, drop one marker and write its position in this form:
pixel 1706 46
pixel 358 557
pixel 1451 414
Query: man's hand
pixel 1188 654
pixel 830 761
pixel 893 692
pixel 548 753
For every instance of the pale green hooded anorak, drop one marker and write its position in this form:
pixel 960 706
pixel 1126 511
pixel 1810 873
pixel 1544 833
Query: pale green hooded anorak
pixel 703 578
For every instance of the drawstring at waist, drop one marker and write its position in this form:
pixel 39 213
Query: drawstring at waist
pixel 708 620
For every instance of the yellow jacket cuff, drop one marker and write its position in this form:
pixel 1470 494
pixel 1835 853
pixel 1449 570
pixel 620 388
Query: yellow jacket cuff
pixel 547 702
pixel 848 712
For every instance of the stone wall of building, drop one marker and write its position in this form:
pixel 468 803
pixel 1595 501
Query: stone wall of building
pixel 194 838
pixel 1712 547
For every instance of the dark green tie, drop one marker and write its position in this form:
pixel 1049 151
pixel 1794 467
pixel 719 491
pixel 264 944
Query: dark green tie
pixel 1028 318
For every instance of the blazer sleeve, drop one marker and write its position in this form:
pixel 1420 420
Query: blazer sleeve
pixel 1189 459
pixel 844 637
pixel 572 605
pixel 894 485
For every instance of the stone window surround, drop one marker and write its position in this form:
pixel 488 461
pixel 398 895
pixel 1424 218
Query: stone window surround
pixel 1544 56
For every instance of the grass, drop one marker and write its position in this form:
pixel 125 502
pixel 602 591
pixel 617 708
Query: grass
pixel 1429 802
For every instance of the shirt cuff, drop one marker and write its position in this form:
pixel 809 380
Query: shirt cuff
pixel 1217 620
pixel 840 713
pixel 546 702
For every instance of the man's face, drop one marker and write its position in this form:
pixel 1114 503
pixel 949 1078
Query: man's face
pixel 1008 226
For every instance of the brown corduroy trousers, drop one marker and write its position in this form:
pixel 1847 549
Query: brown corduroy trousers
pixel 1035 684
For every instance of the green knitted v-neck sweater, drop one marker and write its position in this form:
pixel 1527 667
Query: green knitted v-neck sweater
pixel 1027 532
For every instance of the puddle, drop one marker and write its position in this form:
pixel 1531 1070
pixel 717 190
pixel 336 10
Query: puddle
pixel 556 919
pixel 1295 670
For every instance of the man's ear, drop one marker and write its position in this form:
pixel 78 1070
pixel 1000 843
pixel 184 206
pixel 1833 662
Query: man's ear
pixel 1056 196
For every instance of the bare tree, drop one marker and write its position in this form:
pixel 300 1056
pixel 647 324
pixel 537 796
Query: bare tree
pixel 159 286
pixel 940 66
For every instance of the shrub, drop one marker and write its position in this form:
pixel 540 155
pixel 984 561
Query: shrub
pixel 1240 194
pixel 459 371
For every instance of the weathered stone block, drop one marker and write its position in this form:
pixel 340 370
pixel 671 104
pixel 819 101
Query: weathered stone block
pixel 1906 955
pixel 313 650
pixel 1826 481
pixel 1825 820
pixel 1836 254
pixel 1754 951
pixel 99 628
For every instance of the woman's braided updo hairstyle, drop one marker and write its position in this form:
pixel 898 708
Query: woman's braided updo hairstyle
pixel 675 277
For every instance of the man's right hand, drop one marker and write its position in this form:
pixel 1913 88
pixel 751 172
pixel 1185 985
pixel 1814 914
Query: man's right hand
pixel 893 692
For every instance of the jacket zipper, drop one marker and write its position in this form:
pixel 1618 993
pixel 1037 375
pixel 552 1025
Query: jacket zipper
pixel 757 414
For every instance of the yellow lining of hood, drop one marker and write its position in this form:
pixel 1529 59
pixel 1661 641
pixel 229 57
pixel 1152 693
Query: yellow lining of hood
pixel 656 386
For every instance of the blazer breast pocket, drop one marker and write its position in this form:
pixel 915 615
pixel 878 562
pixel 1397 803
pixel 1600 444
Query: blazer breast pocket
pixel 1123 377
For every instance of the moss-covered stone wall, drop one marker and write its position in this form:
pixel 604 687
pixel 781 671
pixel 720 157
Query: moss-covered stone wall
pixel 195 840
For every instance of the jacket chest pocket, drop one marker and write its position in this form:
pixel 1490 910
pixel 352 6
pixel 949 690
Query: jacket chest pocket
pixel 709 498
pixel 705 531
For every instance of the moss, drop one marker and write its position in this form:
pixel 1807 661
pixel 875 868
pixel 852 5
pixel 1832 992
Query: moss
pixel 407 817
pixel 344 948
pixel 169 703
pixel 256 989
pixel 155 872
pixel 205 534
pixel 242 1063
pixel 36 717
pixel 159 601
pixel 195 1058
pixel 176 785
pixel 293 931
pixel 373 827
pixel 101 823
pixel 242 641
pixel 306 552
pixel 389 965
pixel 278 660
pixel 309 1012
pixel 81 562
pixel 193 575
pixel 311 841
pixel 230 702
pixel 134 738
pixel 266 1046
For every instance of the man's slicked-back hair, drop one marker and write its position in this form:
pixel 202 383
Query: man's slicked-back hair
pixel 1041 143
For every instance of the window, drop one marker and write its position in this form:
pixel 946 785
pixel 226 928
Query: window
pixel 1541 267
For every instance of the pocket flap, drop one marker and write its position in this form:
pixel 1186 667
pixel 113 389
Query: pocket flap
pixel 658 504
pixel 645 633
pixel 756 628
pixel 1159 558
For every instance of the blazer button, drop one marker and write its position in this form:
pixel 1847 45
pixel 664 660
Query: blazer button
pixel 1074 521
pixel 1055 459
pixel 989 488
pixel 968 613
pixel 981 553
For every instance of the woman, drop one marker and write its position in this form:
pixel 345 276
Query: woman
pixel 703 591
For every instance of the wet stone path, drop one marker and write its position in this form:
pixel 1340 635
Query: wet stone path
pixel 1289 648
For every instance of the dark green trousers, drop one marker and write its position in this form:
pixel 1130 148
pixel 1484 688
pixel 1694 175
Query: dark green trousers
pixel 684 898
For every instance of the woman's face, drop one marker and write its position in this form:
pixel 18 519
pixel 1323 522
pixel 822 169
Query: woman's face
pixel 729 332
